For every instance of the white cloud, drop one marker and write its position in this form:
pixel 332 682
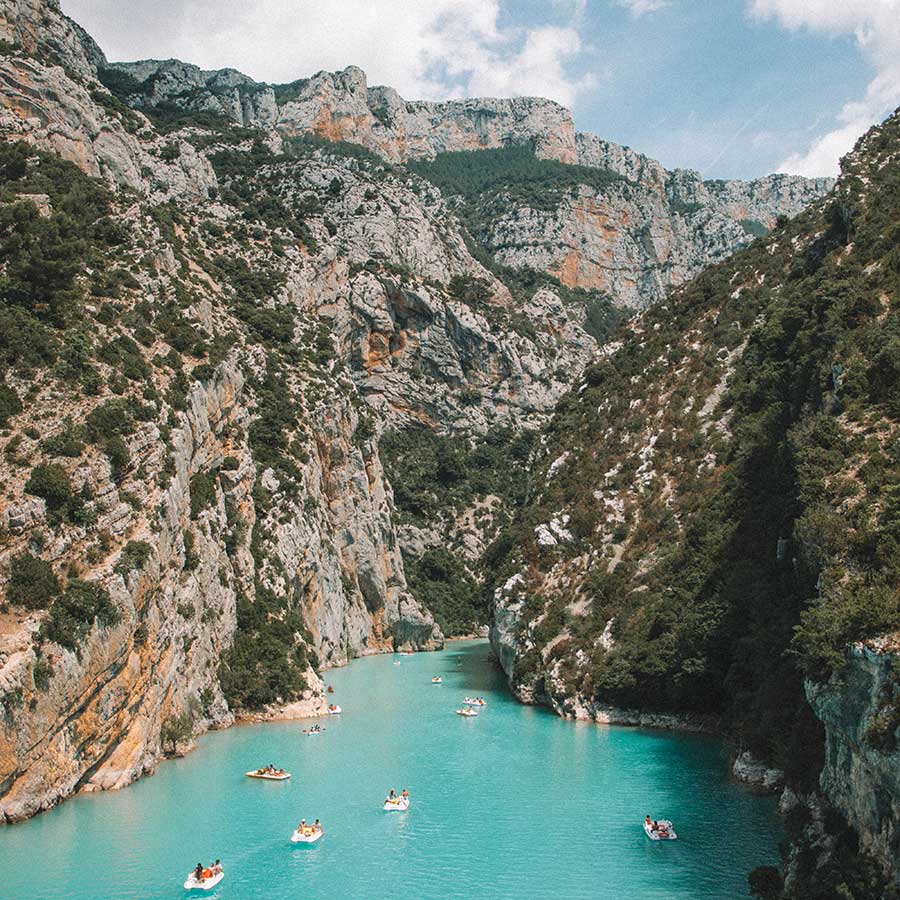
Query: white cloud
pixel 640 7
pixel 427 49
pixel 875 24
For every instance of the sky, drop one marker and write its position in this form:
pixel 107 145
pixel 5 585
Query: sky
pixel 734 88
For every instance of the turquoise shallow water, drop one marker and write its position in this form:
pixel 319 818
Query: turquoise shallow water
pixel 515 804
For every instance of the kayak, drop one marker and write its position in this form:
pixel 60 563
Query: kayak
pixel 207 884
pixel 662 824
pixel 399 805
pixel 334 712
pixel 466 712
pixel 298 838
pixel 267 777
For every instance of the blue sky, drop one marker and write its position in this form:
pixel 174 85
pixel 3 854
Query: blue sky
pixel 735 88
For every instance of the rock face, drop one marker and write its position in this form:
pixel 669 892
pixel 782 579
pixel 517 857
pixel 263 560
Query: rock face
pixel 339 106
pixel 632 240
pixel 861 780
pixel 225 92
pixel 635 240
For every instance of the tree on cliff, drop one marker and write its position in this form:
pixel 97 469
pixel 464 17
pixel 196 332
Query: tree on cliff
pixel 176 730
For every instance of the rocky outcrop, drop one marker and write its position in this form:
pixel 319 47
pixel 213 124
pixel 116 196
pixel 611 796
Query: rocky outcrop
pixel 751 771
pixel 340 106
pixel 224 92
pixel 635 240
pixel 860 778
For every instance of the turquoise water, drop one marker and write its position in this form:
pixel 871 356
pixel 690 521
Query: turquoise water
pixel 513 804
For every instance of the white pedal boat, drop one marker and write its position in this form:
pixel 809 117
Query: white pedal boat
pixel 308 836
pixel 334 710
pixel 207 884
pixel 664 824
pixel 401 804
pixel 266 776
pixel 473 702
pixel 467 712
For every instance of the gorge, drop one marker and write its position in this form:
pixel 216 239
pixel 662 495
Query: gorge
pixel 297 373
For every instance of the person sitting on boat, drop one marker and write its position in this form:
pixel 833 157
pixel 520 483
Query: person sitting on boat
pixel 654 826
pixel 317 826
pixel 648 821
pixel 404 794
pixel 217 867
pixel 198 872
pixel 392 796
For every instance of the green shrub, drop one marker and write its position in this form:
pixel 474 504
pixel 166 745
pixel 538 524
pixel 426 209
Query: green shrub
pixel 32 583
pixel 440 580
pixel 133 556
pixel 267 661
pixel 73 615
pixel 203 492
pixel 10 404
pixel 176 730
pixel 50 481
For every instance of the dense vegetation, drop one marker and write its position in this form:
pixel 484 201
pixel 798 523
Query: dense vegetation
pixel 437 478
pixel 516 172
pixel 766 562
pixel 480 183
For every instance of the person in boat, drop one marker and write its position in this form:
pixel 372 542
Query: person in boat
pixel 648 821
pixel 217 868
pixel 302 826
pixel 404 794
pixel 198 872
pixel 392 796
pixel 317 826
pixel 654 826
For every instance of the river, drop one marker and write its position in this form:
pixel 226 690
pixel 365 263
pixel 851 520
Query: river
pixel 515 804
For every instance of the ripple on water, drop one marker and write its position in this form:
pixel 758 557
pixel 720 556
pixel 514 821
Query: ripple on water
pixel 513 804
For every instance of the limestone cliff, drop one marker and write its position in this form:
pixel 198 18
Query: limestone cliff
pixel 861 777
pixel 203 501
pixel 632 240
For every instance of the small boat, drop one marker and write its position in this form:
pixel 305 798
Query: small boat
pixel 334 710
pixel 400 804
pixel 204 884
pixel 436 680
pixel 664 831
pixel 269 776
pixel 475 701
pixel 406 652
pixel 308 835
pixel 467 712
